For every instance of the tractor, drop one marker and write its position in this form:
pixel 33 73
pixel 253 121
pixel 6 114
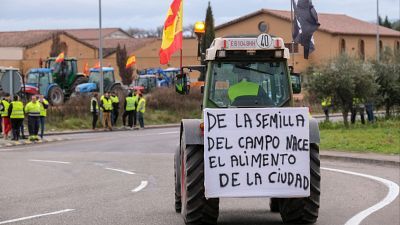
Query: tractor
pixel 144 83
pixel 260 65
pixel 66 74
pixel 42 80
pixel 93 84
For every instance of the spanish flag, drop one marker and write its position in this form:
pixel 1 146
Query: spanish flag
pixel 60 57
pixel 86 69
pixel 130 62
pixel 172 34
pixel 97 65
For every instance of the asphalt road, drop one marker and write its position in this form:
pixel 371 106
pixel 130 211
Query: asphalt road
pixel 127 178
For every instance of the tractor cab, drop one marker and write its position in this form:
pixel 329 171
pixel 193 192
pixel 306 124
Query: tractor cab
pixel 42 79
pixel 144 83
pixel 94 80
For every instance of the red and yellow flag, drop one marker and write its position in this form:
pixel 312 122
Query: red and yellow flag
pixel 130 62
pixel 86 69
pixel 172 33
pixel 97 65
pixel 60 57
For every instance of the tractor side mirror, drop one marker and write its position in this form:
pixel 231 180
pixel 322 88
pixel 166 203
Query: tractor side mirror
pixel 181 86
pixel 296 83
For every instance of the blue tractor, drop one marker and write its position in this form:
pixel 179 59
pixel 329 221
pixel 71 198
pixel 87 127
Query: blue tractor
pixel 42 80
pixel 163 78
pixel 110 85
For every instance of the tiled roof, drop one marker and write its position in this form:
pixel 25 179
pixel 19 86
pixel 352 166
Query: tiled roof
pixel 331 23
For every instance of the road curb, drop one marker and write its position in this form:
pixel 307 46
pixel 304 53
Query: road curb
pixel 117 129
pixel 27 142
pixel 361 160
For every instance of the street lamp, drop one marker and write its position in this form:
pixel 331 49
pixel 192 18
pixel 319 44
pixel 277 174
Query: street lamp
pixel 199 30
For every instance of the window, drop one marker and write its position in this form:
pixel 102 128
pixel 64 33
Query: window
pixel 249 84
pixel 397 45
pixel 380 46
pixel 342 47
pixel 295 45
pixel 361 47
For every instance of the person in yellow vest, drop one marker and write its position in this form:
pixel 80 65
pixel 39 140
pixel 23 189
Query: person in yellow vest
pixel 115 112
pixel 141 109
pixel 106 107
pixel 326 105
pixel 94 109
pixel 33 111
pixel 6 124
pixel 357 106
pixel 16 112
pixel 44 105
pixel 130 107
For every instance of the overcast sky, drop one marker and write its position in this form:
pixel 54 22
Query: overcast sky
pixel 59 14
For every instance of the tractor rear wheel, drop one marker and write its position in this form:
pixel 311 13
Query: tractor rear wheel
pixel 56 96
pixel 274 204
pixel 304 210
pixel 196 209
pixel 177 173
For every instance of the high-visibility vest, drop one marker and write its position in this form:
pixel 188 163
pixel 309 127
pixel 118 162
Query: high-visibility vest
pixel 114 99
pixel 17 111
pixel 326 102
pixel 142 105
pixel 91 105
pixel 33 109
pixel 243 88
pixel 130 103
pixel 43 111
pixel 4 112
pixel 107 104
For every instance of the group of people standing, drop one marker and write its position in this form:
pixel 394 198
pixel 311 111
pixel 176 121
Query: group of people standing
pixel 108 104
pixel 358 107
pixel 13 113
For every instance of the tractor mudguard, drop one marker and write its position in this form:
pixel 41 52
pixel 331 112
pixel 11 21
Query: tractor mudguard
pixel 191 132
pixel 314 131
pixel 46 95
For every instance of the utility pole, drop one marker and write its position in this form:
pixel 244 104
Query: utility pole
pixel 377 32
pixel 101 83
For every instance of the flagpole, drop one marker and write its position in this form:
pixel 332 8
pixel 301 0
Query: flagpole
pixel 101 83
pixel 291 19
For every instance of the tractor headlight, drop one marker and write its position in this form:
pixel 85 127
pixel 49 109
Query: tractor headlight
pixel 278 54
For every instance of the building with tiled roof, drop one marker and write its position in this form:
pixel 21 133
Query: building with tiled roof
pixel 337 34
pixel 24 49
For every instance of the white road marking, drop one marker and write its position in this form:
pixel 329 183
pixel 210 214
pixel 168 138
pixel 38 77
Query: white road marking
pixel 36 216
pixel 141 186
pixel 172 132
pixel 48 161
pixel 122 171
pixel 390 197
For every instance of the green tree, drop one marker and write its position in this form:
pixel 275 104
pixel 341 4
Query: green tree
pixel 209 35
pixel 342 79
pixel 387 23
pixel 124 73
pixel 388 78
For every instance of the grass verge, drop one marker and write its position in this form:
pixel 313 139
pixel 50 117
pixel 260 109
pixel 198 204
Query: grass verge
pixel 380 137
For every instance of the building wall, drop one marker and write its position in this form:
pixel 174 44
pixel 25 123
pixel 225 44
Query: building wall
pixel 11 53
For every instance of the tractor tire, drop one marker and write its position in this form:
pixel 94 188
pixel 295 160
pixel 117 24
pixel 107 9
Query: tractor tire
pixel 56 96
pixel 78 81
pixel 304 210
pixel 196 209
pixel 177 173
pixel 274 205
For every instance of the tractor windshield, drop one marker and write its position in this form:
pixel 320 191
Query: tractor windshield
pixel 95 77
pixel 249 84
pixel 33 78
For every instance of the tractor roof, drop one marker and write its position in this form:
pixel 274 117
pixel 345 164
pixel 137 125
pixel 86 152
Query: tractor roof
pixel 3 68
pixel 40 70
pixel 105 69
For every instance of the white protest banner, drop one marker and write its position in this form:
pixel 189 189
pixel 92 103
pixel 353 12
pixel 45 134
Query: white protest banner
pixel 256 152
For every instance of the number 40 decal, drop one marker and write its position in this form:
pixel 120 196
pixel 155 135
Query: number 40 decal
pixel 264 41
